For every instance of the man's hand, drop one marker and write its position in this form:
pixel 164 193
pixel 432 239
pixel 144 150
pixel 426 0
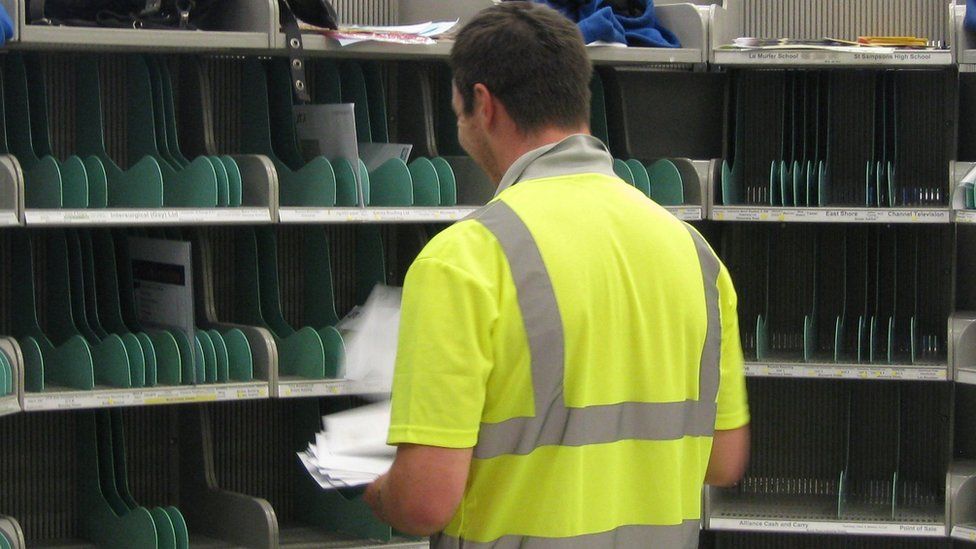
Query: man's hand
pixel 422 490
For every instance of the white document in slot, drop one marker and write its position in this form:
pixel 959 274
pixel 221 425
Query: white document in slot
pixel 370 335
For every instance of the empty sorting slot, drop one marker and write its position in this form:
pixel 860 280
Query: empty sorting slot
pixel 739 540
pixel 307 515
pixel 823 138
pixel 474 186
pixel 664 114
pixel 111 479
pixel 842 451
pixel 864 294
pixel 297 282
pixel 75 317
pixel 662 169
pixel 96 132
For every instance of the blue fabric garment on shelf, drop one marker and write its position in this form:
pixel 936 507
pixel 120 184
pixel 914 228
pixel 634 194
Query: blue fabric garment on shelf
pixel 6 25
pixel 598 20
pixel 969 22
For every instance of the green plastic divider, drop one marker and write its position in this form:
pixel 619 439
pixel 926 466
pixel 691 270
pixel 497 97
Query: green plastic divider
pixel 426 187
pixel 447 181
pixel 239 358
pixel 370 261
pixel 390 184
pixel 170 356
pixel 68 364
pixel 209 356
pixel 376 96
pixel 113 358
pixel 364 182
pixel 74 178
pixel 222 358
pixel 300 352
pixel 107 465
pixel 598 110
pixel 179 526
pixel 5 375
pixel 312 185
pixel 345 178
pixel 169 112
pixel 641 179
pixel 43 185
pixel 328 83
pixel 235 182
pixel 141 185
pixel 623 171
pixel 666 184
pixel 165 533
pixel 284 139
pixel 97 182
pixel 319 297
pixel 194 185
pixel 98 522
pixel 149 354
pixel 354 91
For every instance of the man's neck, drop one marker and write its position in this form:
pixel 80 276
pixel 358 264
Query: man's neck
pixel 523 144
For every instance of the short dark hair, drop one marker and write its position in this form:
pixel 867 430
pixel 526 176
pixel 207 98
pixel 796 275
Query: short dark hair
pixel 531 58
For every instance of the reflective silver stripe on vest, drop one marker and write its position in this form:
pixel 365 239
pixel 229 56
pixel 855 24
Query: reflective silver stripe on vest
pixel 554 423
pixel 684 535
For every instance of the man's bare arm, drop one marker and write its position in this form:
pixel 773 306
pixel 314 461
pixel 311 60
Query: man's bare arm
pixel 730 455
pixel 422 490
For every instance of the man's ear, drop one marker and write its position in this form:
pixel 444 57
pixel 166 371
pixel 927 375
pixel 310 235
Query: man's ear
pixel 484 104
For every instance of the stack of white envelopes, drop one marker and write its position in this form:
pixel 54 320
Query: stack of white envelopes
pixel 352 450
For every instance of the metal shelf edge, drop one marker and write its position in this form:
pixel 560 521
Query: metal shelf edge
pixel 112 398
pixel 831 215
pixel 146 216
pixel 828 527
pixel 826 58
pixel 848 371
pixel 373 215
pixel 304 388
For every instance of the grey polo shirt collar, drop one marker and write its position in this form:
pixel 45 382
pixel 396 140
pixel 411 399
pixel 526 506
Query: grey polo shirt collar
pixel 578 153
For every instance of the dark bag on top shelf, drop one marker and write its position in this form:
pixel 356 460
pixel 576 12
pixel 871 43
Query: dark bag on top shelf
pixel 150 14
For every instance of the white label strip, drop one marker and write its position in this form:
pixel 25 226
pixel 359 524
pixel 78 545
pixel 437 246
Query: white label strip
pixel 110 398
pixel 829 527
pixel 965 216
pixel 686 213
pixel 831 215
pixel 162 216
pixel 965 533
pixel 328 387
pixel 372 215
pixel 910 373
pixel 824 57
pixel 9 405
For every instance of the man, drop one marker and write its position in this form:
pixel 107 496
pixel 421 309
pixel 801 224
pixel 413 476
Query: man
pixel 567 353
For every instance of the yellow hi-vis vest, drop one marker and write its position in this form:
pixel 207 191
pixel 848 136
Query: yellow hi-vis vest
pixel 584 342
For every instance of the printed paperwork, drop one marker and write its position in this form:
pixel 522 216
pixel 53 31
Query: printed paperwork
pixel 351 450
pixel 421 33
